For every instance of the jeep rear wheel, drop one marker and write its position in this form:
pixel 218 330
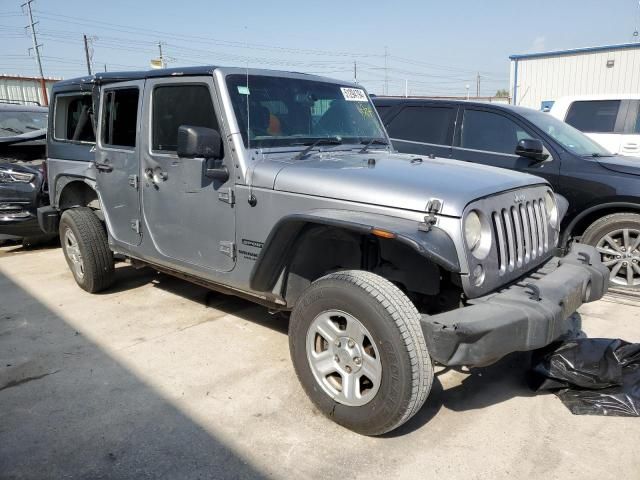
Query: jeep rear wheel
pixel 617 239
pixel 359 352
pixel 85 247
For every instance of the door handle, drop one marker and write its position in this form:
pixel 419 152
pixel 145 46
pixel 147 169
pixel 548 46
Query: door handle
pixel 155 175
pixel 103 166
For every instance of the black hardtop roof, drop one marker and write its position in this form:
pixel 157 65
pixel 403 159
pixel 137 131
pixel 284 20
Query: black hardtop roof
pixel 390 101
pixel 112 77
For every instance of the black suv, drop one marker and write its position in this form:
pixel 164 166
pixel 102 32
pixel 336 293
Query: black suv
pixel 603 190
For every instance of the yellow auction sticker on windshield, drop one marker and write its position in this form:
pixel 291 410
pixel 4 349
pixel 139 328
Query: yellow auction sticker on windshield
pixel 354 94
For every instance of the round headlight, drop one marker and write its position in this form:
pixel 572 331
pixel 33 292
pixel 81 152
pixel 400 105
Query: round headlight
pixel 472 230
pixel 552 208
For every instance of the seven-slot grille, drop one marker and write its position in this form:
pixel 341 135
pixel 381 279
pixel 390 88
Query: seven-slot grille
pixel 521 233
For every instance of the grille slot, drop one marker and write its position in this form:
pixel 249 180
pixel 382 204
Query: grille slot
pixel 521 233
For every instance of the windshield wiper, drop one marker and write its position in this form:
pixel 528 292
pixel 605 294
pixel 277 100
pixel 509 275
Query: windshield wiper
pixel 600 155
pixel 320 141
pixel 373 141
pixel 12 130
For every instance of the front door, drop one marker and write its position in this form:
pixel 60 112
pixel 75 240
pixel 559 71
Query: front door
pixel 189 217
pixel 117 160
pixel 491 138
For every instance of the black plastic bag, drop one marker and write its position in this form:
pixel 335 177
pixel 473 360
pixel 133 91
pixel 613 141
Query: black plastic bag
pixel 593 376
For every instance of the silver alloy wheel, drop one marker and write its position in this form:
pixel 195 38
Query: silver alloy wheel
pixel 73 252
pixel 620 252
pixel 344 358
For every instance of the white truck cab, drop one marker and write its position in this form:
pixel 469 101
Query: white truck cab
pixel 611 120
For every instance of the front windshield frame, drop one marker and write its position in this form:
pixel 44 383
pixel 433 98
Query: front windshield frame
pixel 298 106
pixel 570 138
pixel 19 122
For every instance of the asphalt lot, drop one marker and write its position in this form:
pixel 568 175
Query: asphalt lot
pixel 158 378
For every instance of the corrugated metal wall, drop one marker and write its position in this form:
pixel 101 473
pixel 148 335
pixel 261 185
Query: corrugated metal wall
pixel 23 89
pixel 547 78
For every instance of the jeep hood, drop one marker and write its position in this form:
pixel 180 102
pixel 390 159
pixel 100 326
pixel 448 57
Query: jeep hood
pixel 387 179
pixel 620 164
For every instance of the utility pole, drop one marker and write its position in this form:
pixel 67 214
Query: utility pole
pixel 386 75
pixel 478 85
pixel 355 72
pixel 406 88
pixel 36 49
pixel 161 57
pixel 86 53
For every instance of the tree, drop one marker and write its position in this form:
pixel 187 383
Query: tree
pixel 502 93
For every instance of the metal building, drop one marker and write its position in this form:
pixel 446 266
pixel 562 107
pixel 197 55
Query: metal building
pixel 25 90
pixel 538 79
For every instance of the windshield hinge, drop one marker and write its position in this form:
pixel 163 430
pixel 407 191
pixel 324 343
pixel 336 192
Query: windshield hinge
pixel 228 248
pixel 227 196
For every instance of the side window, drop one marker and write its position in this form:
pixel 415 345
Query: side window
pixel 120 117
pixel 72 118
pixel 176 105
pixel 594 116
pixel 490 132
pixel 382 110
pixel 423 124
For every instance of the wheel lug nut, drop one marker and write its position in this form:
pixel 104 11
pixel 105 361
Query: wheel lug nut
pixel 348 369
pixel 336 358
pixel 618 257
pixel 351 343
pixel 338 343
pixel 357 360
pixel 624 264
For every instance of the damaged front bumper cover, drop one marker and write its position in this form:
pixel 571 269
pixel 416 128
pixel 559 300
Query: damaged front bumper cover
pixel 526 315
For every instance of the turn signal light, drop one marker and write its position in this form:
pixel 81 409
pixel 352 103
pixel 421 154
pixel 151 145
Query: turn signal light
pixel 378 232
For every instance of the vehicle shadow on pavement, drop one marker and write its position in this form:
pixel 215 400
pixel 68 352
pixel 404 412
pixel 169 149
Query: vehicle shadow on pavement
pixel 128 277
pixel 70 410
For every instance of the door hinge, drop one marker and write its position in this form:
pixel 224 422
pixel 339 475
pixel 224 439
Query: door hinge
pixel 133 181
pixel 135 226
pixel 227 196
pixel 228 248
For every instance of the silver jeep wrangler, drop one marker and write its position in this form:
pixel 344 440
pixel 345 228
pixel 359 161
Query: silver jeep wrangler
pixel 283 188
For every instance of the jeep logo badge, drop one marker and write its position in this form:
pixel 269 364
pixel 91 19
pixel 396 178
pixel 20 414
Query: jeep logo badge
pixel 518 198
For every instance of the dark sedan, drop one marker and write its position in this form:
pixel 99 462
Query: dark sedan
pixel 22 177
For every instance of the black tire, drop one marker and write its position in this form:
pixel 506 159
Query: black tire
pixel 608 225
pixel 394 324
pixel 91 238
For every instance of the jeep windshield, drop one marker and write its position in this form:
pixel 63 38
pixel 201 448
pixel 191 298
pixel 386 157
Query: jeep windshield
pixel 281 112
pixel 570 138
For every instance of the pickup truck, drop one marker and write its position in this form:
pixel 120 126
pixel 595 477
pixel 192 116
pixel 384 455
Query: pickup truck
pixel 283 188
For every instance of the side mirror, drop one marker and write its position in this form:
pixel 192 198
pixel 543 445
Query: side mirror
pixel 531 148
pixel 199 142
pixel 202 142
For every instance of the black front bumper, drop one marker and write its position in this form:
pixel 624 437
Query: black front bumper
pixel 20 226
pixel 527 315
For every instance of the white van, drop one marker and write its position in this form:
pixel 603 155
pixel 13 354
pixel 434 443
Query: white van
pixel 611 120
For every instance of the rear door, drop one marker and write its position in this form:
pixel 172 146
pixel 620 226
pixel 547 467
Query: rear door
pixel 630 142
pixel 423 129
pixel 490 137
pixel 117 160
pixel 602 120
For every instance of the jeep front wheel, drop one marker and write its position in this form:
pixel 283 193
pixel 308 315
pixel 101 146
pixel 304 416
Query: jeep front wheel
pixel 85 247
pixel 359 352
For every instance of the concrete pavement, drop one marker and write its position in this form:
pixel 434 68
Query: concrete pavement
pixel 158 378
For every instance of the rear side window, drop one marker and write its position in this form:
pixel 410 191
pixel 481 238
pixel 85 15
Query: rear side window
pixel 423 124
pixel 73 118
pixel 176 105
pixel 120 117
pixel 490 132
pixel 594 116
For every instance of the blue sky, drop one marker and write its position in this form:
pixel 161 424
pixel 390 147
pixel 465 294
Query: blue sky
pixel 437 47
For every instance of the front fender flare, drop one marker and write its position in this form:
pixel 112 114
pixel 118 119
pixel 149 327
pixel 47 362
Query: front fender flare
pixel 435 245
